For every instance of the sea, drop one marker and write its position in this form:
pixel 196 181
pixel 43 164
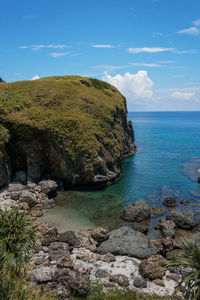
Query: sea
pixel 167 163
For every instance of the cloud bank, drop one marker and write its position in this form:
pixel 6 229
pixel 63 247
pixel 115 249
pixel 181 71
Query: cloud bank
pixel 132 86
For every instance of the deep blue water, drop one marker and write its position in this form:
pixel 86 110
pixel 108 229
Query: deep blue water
pixel 166 164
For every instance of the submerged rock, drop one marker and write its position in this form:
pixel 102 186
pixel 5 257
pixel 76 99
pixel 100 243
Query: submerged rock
pixel 126 241
pixel 170 202
pixel 137 211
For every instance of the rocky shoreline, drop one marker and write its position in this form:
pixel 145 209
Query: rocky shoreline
pixel 123 258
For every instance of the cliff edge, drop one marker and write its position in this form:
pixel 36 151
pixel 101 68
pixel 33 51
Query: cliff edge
pixel 68 128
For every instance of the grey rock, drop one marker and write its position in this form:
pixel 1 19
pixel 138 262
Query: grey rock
pixel 20 177
pixel 182 218
pixel 140 227
pixel 15 195
pixel 78 285
pixel 122 280
pixel 70 238
pixel 6 204
pixel 15 187
pixel 101 273
pixel 48 203
pixel 48 187
pixel 126 241
pixel 137 211
pixel 43 274
pixel 29 198
pixel 58 250
pixel 139 282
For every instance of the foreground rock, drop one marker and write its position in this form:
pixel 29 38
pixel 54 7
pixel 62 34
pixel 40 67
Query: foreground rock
pixel 126 241
pixel 153 267
pixel 167 227
pixel 137 211
pixel 182 218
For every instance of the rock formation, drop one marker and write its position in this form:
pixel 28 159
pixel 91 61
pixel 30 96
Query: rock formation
pixel 67 128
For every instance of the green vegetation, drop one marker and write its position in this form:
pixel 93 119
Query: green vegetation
pixel 97 293
pixel 4 136
pixel 189 257
pixel 16 241
pixel 77 112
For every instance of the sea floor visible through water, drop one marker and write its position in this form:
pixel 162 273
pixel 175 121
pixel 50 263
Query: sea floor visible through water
pixel 167 163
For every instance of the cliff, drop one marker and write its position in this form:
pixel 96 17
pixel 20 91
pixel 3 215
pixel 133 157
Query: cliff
pixel 70 128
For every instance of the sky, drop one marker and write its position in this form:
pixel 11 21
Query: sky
pixel 148 49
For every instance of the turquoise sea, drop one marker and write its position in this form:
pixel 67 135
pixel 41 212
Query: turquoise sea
pixel 167 163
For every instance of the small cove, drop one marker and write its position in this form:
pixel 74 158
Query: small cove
pixel 167 163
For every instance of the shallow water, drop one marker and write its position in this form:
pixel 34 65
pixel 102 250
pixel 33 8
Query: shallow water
pixel 167 163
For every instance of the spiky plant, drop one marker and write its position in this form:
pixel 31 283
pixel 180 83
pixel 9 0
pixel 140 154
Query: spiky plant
pixel 189 257
pixel 16 241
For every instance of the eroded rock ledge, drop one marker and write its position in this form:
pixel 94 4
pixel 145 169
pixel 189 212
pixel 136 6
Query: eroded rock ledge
pixel 67 128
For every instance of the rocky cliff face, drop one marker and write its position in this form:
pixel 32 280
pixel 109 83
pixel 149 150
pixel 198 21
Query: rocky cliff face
pixel 69 128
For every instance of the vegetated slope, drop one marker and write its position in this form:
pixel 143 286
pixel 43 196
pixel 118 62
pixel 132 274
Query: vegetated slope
pixel 69 127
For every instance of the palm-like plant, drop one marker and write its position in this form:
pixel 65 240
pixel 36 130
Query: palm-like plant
pixel 16 240
pixel 189 257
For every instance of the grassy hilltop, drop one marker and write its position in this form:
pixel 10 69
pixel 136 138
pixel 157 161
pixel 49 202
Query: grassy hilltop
pixel 83 116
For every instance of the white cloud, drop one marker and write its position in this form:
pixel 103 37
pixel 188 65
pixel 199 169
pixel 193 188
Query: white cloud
pixel 144 65
pixel 149 50
pixel 196 22
pixel 36 77
pixel 190 31
pixel 109 67
pixel 58 54
pixel 133 86
pixel 157 33
pixel 183 95
pixel 103 46
pixel 40 47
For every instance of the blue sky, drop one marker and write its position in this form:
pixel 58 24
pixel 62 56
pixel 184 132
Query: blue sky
pixel 149 49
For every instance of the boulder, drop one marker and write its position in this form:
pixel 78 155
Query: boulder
pixel 182 218
pixel 15 187
pixel 102 273
pixel 70 238
pixel 122 280
pixel 140 227
pixel 43 274
pixel 47 233
pixel 57 250
pixel 137 211
pixel 126 241
pixel 78 285
pixel 65 262
pixel 169 202
pixel 6 204
pixel 29 198
pixel 139 282
pixel 99 234
pixel 167 227
pixel 48 187
pixel 152 267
